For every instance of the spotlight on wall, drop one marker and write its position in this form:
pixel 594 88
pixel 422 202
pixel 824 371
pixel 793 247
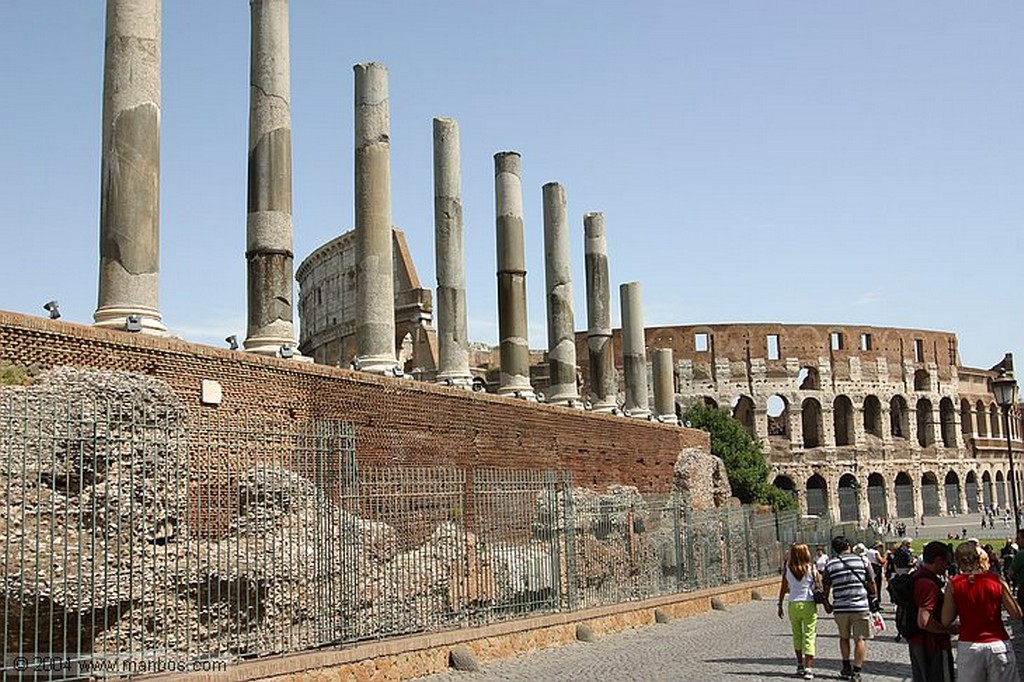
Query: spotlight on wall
pixel 541 398
pixel 355 364
pixel 286 350
pixel 232 342
pixel 52 308
pixel 397 371
pixel 133 323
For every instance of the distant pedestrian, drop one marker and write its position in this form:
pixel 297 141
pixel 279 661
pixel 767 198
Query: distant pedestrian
pixel 977 597
pixel 848 579
pixel 821 558
pixel 799 578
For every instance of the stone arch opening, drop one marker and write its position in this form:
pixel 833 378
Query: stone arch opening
pixel 785 483
pixel 904 489
pixel 710 402
pixel 743 412
pixel 929 494
pixel 925 432
pixel 899 418
pixel 848 497
pixel 971 491
pixel 1000 489
pixel 873 416
pixel 842 414
pixel 947 423
pixel 993 413
pixel 952 489
pixel 808 379
pixel 810 415
pixel 986 489
pixel 817 496
pixel 877 506
pixel 777 410
pixel 922 380
pixel 966 422
pixel 981 414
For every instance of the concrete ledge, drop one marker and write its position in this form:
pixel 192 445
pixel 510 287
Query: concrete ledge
pixel 404 658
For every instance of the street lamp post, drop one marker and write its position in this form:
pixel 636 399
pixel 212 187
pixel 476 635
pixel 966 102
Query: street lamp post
pixel 1005 388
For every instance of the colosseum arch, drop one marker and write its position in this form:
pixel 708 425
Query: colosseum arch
pixel 903 486
pixel 929 494
pixel 808 379
pixel 899 417
pixel 810 415
pixel 873 416
pixel 925 426
pixel 710 402
pixel 876 496
pixel 922 381
pixel 966 423
pixel 986 489
pixel 743 412
pixel 1000 489
pixel 817 495
pixel 971 491
pixel 842 410
pixel 952 490
pixel 947 423
pixel 981 414
pixel 777 412
pixel 993 413
pixel 783 482
pixel 848 498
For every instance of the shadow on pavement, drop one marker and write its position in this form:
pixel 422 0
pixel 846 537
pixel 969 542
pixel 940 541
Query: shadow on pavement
pixel 825 668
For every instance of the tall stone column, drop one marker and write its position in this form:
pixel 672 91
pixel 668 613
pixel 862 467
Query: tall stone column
pixel 512 321
pixel 558 278
pixel 268 248
pixel 375 295
pixel 664 385
pixel 129 283
pixel 604 383
pixel 634 353
pixel 452 335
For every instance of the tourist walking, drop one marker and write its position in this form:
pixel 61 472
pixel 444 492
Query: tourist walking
pixel 931 651
pixel 876 557
pixel 977 597
pixel 799 579
pixel 848 581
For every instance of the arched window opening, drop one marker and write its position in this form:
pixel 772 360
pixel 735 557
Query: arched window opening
pixel 966 423
pixel 783 482
pixel 952 489
pixel 899 419
pixel 777 410
pixel 842 414
pixel 810 414
pixel 971 492
pixel 817 496
pixel 743 412
pixel 876 496
pixel 710 402
pixel 904 488
pixel 873 416
pixel 925 430
pixel 1000 490
pixel 929 494
pixel 947 423
pixel 848 498
pixel 981 414
pixel 808 379
pixel 922 381
pixel 993 413
pixel 987 494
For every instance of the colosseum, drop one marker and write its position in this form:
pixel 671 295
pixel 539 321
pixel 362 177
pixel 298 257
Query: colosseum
pixel 858 422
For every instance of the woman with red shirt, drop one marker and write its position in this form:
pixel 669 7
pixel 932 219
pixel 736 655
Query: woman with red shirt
pixel 984 653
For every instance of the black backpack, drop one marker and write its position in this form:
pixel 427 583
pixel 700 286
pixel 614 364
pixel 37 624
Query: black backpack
pixel 903 558
pixel 901 591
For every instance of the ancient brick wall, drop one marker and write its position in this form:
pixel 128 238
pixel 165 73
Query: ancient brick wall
pixel 397 421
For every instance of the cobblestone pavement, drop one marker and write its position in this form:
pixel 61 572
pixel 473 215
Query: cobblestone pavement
pixel 748 642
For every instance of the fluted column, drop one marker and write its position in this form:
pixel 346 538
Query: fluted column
pixel 664 385
pixel 558 278
pixel 129 282
pixel 375 294
pixel 268 252
pixel 452 335
pixel 603 381
pixel 634 353
pixel 512 320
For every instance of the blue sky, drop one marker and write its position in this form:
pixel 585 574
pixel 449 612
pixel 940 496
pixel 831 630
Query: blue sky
pixel 857 163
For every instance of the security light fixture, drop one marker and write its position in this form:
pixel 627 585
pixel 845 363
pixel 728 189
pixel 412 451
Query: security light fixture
pixel 355 364
pixel 286 350
pixel 232 342
pixel 52 308
pixel 397 371
pixel 133 323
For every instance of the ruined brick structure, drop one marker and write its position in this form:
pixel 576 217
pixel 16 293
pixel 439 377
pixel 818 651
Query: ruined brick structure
pixel 858 422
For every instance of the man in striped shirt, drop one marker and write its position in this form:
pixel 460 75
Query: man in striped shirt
pixel 850 591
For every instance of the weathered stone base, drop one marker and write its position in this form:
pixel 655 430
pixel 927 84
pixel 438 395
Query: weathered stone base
pixel 408 657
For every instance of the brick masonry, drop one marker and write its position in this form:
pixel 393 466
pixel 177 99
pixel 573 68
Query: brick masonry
pixel 397 421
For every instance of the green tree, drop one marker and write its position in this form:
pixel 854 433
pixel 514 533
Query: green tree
pixel 745 463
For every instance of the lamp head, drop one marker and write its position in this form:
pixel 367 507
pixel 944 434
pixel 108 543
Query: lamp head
pixel 1005 388
pixel 52 308
pixel 133 323
pixel 232 342
pixel 286 350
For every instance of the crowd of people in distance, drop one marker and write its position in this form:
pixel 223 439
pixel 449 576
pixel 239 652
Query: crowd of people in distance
pixel 944 592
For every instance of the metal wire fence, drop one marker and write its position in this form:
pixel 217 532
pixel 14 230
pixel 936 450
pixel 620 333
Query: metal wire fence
pixel 137 538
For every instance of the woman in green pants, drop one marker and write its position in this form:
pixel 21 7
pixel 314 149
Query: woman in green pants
pixel 799 578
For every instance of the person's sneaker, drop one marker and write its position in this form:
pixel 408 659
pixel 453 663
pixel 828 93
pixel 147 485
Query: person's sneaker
pixel 799 670
pixel 855 677
pixel 846 674
pixel 808 674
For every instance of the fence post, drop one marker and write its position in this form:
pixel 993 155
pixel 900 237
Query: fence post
pixel 568 528
pixel 746 539
pixel 678 538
